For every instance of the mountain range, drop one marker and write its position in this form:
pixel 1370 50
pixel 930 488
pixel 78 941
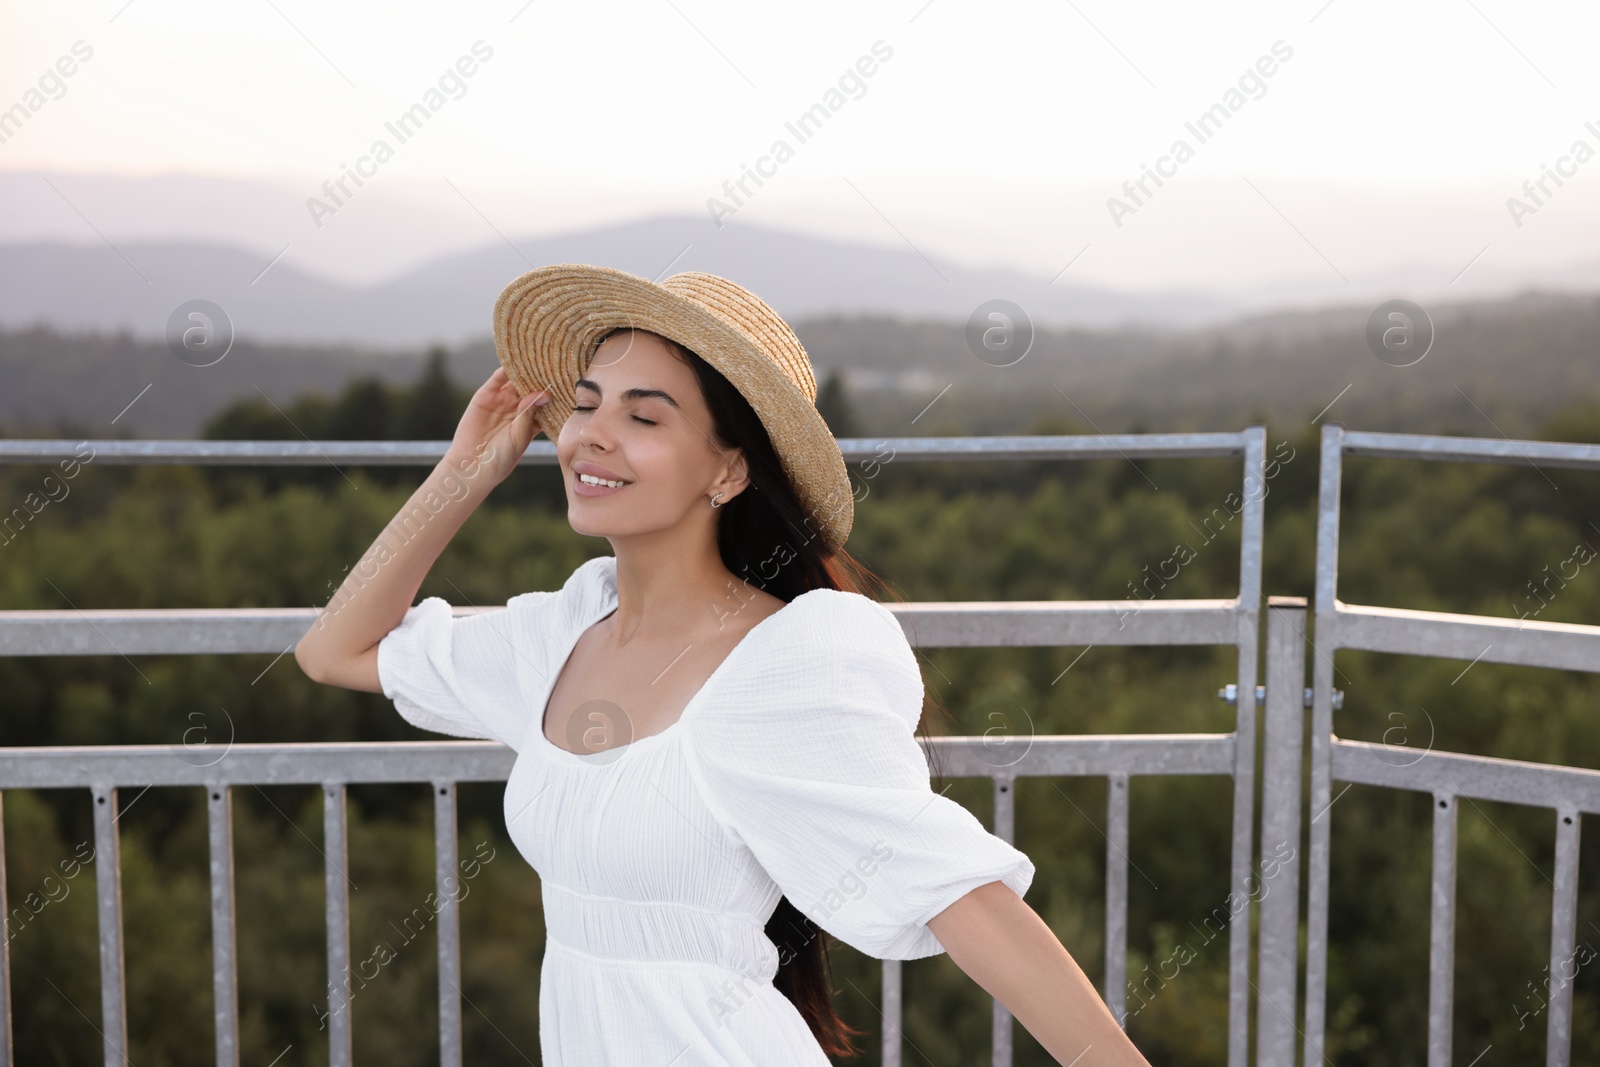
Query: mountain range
pixel 117 253
pixel 135 285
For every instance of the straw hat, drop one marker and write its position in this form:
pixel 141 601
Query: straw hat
pixel 547 324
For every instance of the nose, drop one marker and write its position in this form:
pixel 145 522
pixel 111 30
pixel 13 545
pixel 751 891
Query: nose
pixel 596 431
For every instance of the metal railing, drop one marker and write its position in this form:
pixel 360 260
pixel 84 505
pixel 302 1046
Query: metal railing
pixel 1567 791
pixel 1118 758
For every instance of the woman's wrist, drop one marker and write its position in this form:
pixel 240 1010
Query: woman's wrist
pixel 467 472
pixel 427 521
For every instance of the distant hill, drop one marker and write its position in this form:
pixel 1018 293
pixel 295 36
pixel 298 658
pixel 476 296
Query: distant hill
pixel 1424 242
pixel 135 285
pixel 1501 366
pixel 79 385
pixel 1495 367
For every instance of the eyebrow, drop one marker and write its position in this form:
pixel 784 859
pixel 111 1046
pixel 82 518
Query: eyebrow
pixel 631 394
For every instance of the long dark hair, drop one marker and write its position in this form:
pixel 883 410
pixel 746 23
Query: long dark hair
pixel 763 524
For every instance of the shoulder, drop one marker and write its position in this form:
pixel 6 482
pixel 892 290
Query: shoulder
pixel 834 645
pixel 594 577
pixel 840 617
pixel 590 583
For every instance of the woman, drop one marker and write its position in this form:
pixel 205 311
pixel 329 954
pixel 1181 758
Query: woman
pixel 714 731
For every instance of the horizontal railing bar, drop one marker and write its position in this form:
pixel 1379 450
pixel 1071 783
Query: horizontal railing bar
pixel 155 631
pixel 1018 623
pixel 1075 447
pixel 234 631
pixel 487 761
pixel 1479 777
pixel 255 764
pixel 543 453
pixel 1472 449
pixel 1085 755
pixel 1485 638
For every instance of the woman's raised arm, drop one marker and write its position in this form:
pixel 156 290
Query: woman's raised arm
pixel 341 648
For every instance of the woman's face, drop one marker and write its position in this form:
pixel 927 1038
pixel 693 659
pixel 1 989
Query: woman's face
pixel 640 418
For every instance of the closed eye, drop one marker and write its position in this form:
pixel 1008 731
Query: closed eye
pixel 636 418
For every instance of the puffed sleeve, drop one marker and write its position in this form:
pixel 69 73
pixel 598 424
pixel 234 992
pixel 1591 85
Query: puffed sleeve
pixel 459 675
pixel 814 765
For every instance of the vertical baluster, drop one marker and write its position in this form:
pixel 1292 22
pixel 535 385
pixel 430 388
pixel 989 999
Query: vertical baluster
pixel 5 950
pixel 893 1013
pixel 1442 937
pixel 447 885
pixel 336 861
pixel 1242 857
pixel 1005 821
pixel 1563 939
pixel 224 945
pixel 1116 992
pixel 108 890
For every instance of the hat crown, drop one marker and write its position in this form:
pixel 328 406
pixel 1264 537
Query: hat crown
pixel 751 316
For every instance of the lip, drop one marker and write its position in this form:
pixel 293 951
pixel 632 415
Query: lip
pixel 596 471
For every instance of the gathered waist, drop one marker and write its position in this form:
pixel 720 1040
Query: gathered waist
pixel 606 929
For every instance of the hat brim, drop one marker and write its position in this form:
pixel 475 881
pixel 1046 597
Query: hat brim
pixel 546 326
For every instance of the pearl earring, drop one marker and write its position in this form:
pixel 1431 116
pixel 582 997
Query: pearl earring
pixel 714 501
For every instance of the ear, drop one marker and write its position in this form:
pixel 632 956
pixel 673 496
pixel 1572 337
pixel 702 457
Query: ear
pixel 735 477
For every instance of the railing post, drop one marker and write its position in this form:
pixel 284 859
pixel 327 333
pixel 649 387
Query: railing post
pixel 1248 637
pixel 108 891
pixel 1319 839
pixel 1277 969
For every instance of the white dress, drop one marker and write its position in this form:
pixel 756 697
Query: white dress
pixel 794 771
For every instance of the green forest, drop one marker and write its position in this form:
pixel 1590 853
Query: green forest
pixel 1442 536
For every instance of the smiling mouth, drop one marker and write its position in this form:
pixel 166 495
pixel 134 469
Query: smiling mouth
pixel 601 483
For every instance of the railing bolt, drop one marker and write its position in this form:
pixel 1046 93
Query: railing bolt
pixel 1229 694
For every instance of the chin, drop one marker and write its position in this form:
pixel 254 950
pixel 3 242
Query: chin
pixel 588 526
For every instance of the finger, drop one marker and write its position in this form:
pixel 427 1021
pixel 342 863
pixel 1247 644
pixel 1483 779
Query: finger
pixel 489 389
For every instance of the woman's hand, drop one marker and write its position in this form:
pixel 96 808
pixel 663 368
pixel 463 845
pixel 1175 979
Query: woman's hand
pixel 495 430
pixel 341 648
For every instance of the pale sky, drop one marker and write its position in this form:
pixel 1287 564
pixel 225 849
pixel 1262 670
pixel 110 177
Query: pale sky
pixel 992 133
